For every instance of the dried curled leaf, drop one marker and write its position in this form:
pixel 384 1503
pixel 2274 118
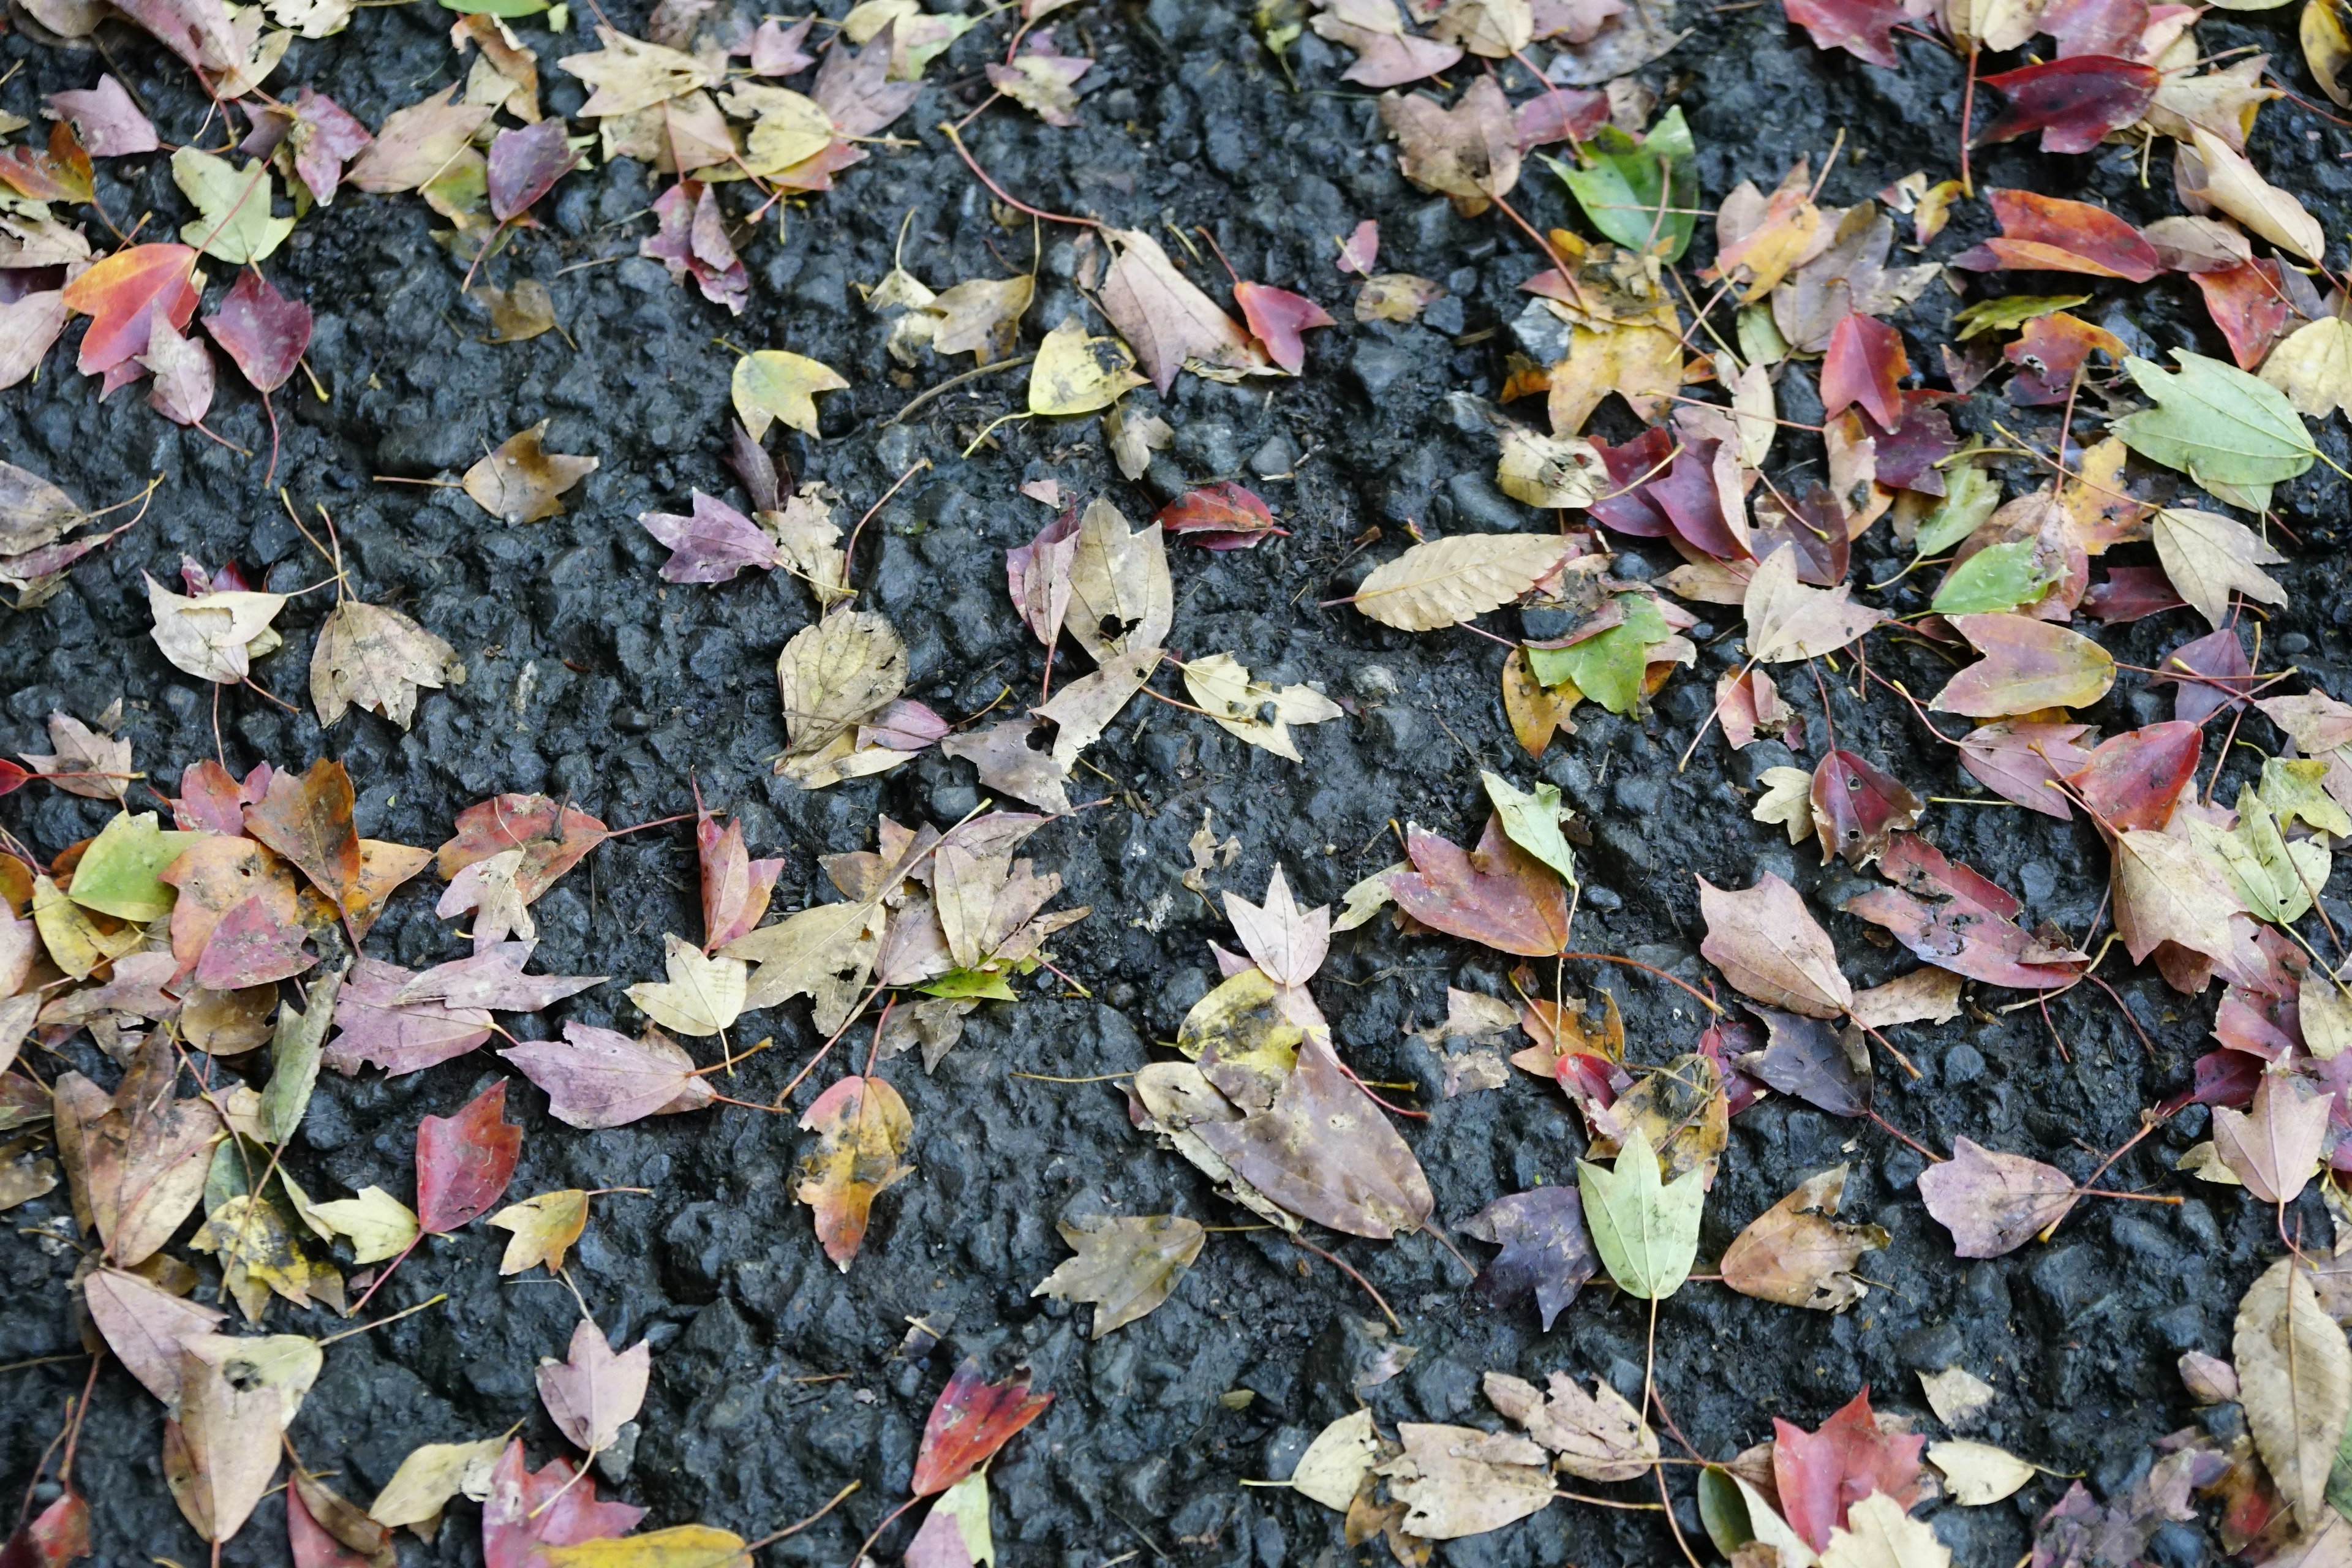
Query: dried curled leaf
pixel 1798 1254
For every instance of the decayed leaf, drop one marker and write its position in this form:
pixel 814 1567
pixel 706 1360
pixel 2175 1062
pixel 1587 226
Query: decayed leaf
pixel 78 748
pixel 1787 620
pixel 599 1078
pixel 1447 581
pixel 1251 711
pixel 1955 1395
pixel 307 817
pixel 1599 1436
pixel 1645 1230
pixel 1548 470
pixel 1125 1266
pixel 862 1128
pixel 1320 1150
pixel 522 482
pixel 629 74
pixel 970 1421
pixel 1075 374
pixel 431 1475
pixel 543 1228
pixel 1122 600
pixel 1768 945
pixel 833 676
pixel 378 658
pixel 2209 556
pixel 1497 895
pixel 2028 664
pixel 595 1391
pixel 2295 1379
pixel 2166 889
pixel 214 636
pixel 1976 1474
pixel 1457 1481
pixel 137 1159
pixel 1992 1202
pixel 2274 1147
pixel 236 1398
pixel 1798 1254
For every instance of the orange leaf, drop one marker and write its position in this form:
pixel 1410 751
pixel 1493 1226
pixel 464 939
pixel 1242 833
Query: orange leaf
pixel 61 175
pixel 553 840
pixel 307 817
pixel 125 295
pixel 862 1128
pixel 970 1421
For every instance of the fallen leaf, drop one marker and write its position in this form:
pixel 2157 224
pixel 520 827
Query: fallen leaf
pixel 1824 1067
pixel 1121 599
pixel 1547 1254
pixel 1923 996
pixel 105 121
pixel 1956 1395
pixel 2021 760
pixel 2233 184
pixel 2274 1147
pixel 526 1512
pixel 2312 367
pixel 145 1325
pixel 1641 192
pixel 1645 1230
pixel 124 294
pixel 599 1078
pixel 1170 323
pixel 1220 516
pixel 1125 1266
pixel 594 1392
pixel 2131 781
pixel 1863 28
pixel 1857 809
pixel 524 165
pixel 2219 426
pixel 1042 80
pixel 1976 1474
pixel 1457 1481
pixel 1335 1465
pixel 378 658
pixel 862 1128
pixel 377 1225
pixel 2209 556
pixel 517 314
pixel 1448 581
pixel 679 1546
pixel 1770 946
pixel 1278 318
pixel 2166 889
pixel 2028 664
pixel 702 997
pixel 1075 374
pixel 1596 1436
pixel 1992 1202
pixel 1251 711
pixel 1954 918
pixel 418 143
pixel 1787 620
pixel 970 1421
pixel 1881 1534
pixel 237 1399
pixel 2074 101
pixel 2045 234
pixel 1288 943
pixel 772 385
pixel 2294 1377
pixel 521 481
pixel 213 636
pixel 464 1162
pixel 322 1528
pixel 1386 55
pixel 1823 1476
pixel 628 74
pixel 1496 895
pixel 955 1531
pixel 183 392
pixel 80 750
pixel 431 1475
pixel 233 207
pixel 1865 364
pixel 1320 1150
pixel 543 1228
pixel 1798 1254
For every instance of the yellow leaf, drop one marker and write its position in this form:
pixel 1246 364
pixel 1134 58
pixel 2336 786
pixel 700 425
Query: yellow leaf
pixel 2328 47
pixel 1642 364
pixel 680 1546
pixel 377 1225
pixel 772 385
pixel 702 995
pixel 2313 367
pixel 544 1229
pixel 1075 374
pixel 2233 184
pixel 1447 581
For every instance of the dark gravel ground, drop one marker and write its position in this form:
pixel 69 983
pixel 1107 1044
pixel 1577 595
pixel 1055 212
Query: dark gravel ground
pixel 589 678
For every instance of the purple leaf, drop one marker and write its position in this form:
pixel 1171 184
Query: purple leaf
pixel 109 124
pixel 713 543
pixel 525 165
pixel 263 330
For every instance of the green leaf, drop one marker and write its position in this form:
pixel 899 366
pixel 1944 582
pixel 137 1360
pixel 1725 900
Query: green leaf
pixel 119 874
pixel 2002 315
pixel 1760 342
pixel 1623 184
pixel 2225 429
pixel 1998 577
pixel 2274 878
pixel 2293 789
pixel 1970 496
pixel 294 1058
pixel 1645 1229
pixel 1607 667
pixel 1532 822
pixel 235 225
pixel 981 982
pixel 1723 1510
pixel 496 7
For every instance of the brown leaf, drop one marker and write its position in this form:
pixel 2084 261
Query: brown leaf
pixel 1125 1266
pixel 1323 1151
pixel 1469 153
pixel 137 1161
pixel 1444 582
pixel 594 1392
pixel 1285 941
pixel 1457 1481
pixel 1006 760
pixel 1768 945
pixel 1992 1202
pixel 1169 323
pixel 238 1396
pixel 863 1129
pixel 2166 889
pixel 81 750
pixel 2274 1149
pixel 2295 1378
pixel 1798 1254
pixel 307 817
pixel 1599 1436
pixel 145 1326
pixel 522 482
pixel 377 659
pixel 1787 620
pixel 1497 895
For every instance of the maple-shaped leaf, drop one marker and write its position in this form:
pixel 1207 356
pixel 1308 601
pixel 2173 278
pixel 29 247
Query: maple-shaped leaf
pixel 2274 1147
pixel 2046 234
pixel 522 482
pixel 1497 895
pixel 1820 1475
pixel 307 817
pixel 1166 318
pixel 551 1506
pixel 628 74
pixel 735 888
pixel 1320 1149
pixel 1798 1253
pixel 378 658
pixel 712 543
pixel 234 222
pixel 525 164
pixel 137 1158
pixel 599 1078
pixel 2166 889
pixel 261 329
pixel 1952 917
pixel 1787 620
pixel 1285 941
pixel 1645 1228
pixel 464 1162
pixel 1857 808
pixel 1993 1202
pixel 594 1392
pixel 145 1325
pixel 1863 29
pixel 1826 1068
pixel 1598 1437
pixel 1125 1266
pixel 772 386
pixel 690 240
pixel 1277 318
pixel 2073 101
pixel 1386 55
pixel 375 1026
pixel 2028 664
pixel 970 1421
pixel 1469 153
pixel 183 392
pixel 2021 761
pixel 124 294
pixel 106 120
pixel 1220 516
pixel 2209 556
pixel 863 1128
pixel 1547 1254
pixel 1770 946
pixel 2231 433
pixel 702 994
pixel 1865 364
pixel 551 839
pixel 61 174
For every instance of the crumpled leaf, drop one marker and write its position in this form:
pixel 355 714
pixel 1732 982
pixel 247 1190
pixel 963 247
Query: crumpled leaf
pixel 1457 1481
pixel 1798 1254
pixel 1445 582
pixel 1125 1266
pixel 1770 946
pixel 1250 710
pixel 377 657
pixel 1992 1202
pixel 1645 1230
pixel 863 1128
pixel 521 481
pixel 1598 1437
pixel 213 636
pixel 595 1391
pixel 1469 153
pixel 431 1475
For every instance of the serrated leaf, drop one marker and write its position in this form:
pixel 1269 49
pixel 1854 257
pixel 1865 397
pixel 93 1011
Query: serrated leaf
pixel 1448 581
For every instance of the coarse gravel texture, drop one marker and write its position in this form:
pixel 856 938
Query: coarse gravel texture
pixel 777 1378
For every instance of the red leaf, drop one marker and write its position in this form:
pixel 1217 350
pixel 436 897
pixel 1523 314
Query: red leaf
pixel 56 1536
pixel 2131 594
pixel 691 240
pixel 1820 1474
pixel 1276 317
pixel 124 294
pixel 1560 114
pixel 308 1539
pixel 212 801
pixel 971 1421
pixel 1863 29
pixel 1956 919
pixel 2050 352
pixel 525 164
pixel 1857 808
pixel 735 888
pixel 12 777
pixel 1627 508
pixel 263 330
pixel 1817 534
pixel 1498 895
pixel 1360 250
pixel 2249 304
pixel 2020 762
pixel 307 817
pixel 61 175
pixel 1865 364
pixel 2132 779
pixel 525 822
pixel 2047 235
pixel 1908 453
pixel 2095 26
pixel 464 1162
pixel 2219 656
pixel 1692 502
pixel 528 1509
pixel 2072 102
pixel 1220 516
